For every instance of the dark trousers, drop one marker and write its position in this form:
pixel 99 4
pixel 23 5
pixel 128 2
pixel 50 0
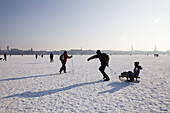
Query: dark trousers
pixel 102 68
pixel 63 68
pixel 51 60
pixel 131 75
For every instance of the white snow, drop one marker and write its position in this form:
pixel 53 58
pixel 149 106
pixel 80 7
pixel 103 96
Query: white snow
pixel 29 85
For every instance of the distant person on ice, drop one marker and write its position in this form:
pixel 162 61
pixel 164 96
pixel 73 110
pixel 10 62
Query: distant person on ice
pixel 36 56
pixel 104 59
pixel 63 59
pixel 51 57
pixel 5 56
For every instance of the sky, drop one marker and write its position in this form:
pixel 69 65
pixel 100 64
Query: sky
pixel 90 24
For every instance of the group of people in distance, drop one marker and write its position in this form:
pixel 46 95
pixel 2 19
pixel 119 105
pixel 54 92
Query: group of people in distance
pixel 104 59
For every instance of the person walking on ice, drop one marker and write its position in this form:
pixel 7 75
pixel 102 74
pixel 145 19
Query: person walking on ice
pixel 51 57
pixel 104 59
pixel 63 59
pixel 36 56
pixel 5 57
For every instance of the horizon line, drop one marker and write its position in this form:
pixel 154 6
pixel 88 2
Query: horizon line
pixel 79 49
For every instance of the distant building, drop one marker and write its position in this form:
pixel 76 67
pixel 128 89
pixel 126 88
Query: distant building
pixel 14 49
pixel 131 50
pixel 31 49
pixel 155 52
pixel 7 48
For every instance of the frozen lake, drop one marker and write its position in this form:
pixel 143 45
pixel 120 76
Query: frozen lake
pixel 29 85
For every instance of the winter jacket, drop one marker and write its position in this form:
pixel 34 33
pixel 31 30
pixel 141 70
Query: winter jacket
pixel 136 70
pixel 65 57
pixel 102 58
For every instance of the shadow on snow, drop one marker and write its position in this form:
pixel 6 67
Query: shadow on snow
pixel 116 87
pixel 30 94
pixel 8 79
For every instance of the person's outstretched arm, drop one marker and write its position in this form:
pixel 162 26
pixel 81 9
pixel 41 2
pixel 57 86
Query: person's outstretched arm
pixel 95 56
pixel 69 56
pixel 140 67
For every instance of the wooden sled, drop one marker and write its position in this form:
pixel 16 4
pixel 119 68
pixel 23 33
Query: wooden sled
pixel 125 78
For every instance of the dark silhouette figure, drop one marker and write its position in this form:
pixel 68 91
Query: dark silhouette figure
pixel 156 55
pixel 63 59
pixel 36 56
pixel 51 57
pixel 104 59
pixel 135 72
pixel 42 55
pixel 5 57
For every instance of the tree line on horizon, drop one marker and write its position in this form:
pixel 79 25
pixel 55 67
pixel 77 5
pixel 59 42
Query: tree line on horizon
pixel 81 52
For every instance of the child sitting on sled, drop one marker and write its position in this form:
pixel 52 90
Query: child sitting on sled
pixel 133 74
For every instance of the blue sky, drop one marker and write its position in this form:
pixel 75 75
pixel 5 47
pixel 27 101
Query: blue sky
pixel 91 24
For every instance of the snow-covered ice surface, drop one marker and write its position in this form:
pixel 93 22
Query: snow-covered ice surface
pixel 29 85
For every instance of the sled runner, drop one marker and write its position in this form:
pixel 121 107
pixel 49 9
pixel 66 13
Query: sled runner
pixel 125 78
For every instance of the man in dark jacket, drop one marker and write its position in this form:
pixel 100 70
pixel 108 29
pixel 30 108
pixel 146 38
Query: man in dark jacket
pixel 63 59
pixel 104 59
pixel 5 56
pixel 36 56
pixel 51 57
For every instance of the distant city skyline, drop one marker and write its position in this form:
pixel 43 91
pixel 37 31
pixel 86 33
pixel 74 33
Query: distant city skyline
pixel 16 51
pixel 32 49
pixel 90 24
